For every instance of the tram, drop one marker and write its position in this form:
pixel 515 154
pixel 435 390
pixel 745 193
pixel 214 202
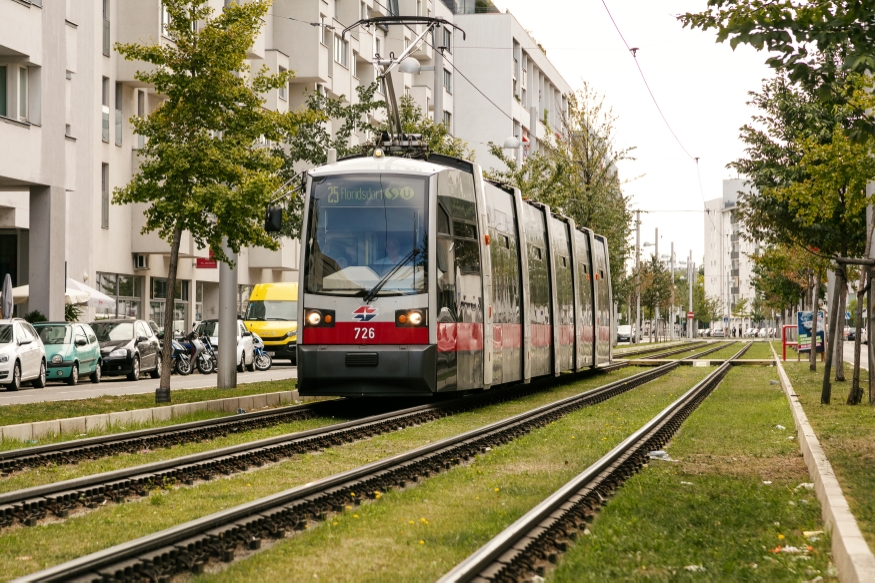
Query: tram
pixel 421 277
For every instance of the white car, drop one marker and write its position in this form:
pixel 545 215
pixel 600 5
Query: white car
pixel 245 355
pixel 22 355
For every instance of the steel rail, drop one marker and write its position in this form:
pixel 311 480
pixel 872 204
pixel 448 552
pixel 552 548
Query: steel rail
pixel 28 506
pixel 650 349
pixel 525 547
pixel 187 547
pixel 687 348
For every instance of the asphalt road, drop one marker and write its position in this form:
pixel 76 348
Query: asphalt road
pixel 59 391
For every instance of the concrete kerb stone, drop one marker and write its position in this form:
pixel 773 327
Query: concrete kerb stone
pixel 851 554
pixel 77 425
pixel 45 428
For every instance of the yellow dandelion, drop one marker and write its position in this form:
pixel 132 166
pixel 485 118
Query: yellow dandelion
pixel 423 520
pixel 497 489
pixel 572 437
pixel 478 498
pixel 780 536
pixel 335 523
pixel 355 515
pixel 422 542
pixel 348 507
pixel 376 494
pixel 411 522
pixel 352 494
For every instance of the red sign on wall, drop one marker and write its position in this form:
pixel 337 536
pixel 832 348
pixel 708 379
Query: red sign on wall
pixel 207 263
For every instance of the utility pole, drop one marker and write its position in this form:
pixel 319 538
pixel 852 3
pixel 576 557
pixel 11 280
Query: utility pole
pixel 671 312
pixel 690 272
pixel 227 378
pixel 656 319
pixel 638 275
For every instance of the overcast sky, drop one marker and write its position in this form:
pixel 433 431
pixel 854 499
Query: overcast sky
pixel 700 86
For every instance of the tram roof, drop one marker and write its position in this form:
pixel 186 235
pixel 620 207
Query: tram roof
pixel 384 164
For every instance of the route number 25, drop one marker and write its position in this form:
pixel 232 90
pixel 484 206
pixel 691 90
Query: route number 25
pixel 364 333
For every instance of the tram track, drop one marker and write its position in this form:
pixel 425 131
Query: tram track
pixel 651 349
pixel 532 543
pixel 58 499
pixel 188 547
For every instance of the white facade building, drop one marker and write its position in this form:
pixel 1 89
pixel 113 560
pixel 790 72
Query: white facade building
pixel 66 142
pixel 728 267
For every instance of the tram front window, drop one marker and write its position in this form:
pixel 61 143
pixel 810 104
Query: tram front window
pixel 367 232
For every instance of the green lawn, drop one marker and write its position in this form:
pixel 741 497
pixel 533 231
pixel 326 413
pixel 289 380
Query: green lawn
pixel 48 410
pixel 759 351
pixel 719 513
pixel 847 435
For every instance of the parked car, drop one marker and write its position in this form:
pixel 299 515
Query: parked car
pixel 245 355
pixel 272 313
pixel 864 335
pixel 72 351
pixel 624 333
pixel 127 347
pixel 22 355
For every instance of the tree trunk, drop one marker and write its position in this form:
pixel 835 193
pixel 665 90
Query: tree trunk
pixel 830 336
pixel 839 353
pixel 167 350
pixel 812 356
pixel 856 394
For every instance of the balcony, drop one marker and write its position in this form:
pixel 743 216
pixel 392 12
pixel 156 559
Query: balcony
pixel 286 258
pixel 136 22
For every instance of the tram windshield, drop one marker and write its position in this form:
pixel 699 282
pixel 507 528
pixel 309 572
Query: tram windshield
pixel 367 232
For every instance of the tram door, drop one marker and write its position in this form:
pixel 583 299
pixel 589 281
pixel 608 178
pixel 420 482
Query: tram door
pixel 564 292
pixel 539 292
pixel 586 347
pixel 459 284
pixel 507 329
pixel 603 300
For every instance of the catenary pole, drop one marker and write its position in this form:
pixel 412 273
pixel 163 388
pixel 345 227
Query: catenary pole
pixel 227 321
pixel 656 315
pixel 638 275
pixel 690 273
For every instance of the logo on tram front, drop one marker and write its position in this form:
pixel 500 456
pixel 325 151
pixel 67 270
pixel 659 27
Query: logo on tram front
pixel 364 314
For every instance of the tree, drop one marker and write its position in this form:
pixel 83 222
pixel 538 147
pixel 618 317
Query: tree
pixel 576 175
pixel 435 135
pixel 202 169
pixel 656 286
pixel 741 308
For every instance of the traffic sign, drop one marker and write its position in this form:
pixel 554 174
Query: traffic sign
pixel 690 315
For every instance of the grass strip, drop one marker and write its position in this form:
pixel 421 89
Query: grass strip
pixel 49 410
pixel 419 533
pixel 637 347
pixel 759 351
pixel 28 549
pixel 696 350
pixel 847 435
pixel 722 510
pixel 727 352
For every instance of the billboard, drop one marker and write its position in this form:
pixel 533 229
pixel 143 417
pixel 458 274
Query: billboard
pixel 805 323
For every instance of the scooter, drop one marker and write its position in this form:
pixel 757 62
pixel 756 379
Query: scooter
pixel 261 358
pixel 197 353
pixel 181 361
pixel 210 352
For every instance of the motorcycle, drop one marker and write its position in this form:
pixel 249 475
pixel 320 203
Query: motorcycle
pixel 261 358
pixel 211 352
pixel 181 361
pixel 198 354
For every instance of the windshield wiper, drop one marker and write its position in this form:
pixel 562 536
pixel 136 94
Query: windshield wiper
pixel 374 290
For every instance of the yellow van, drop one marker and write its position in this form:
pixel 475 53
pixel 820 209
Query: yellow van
pixel 273 315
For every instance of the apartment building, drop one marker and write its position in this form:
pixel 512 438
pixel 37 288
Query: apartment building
pixel 728 267
pixel 66 99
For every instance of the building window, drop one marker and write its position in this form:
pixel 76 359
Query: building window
pixel 105 28
pixel 158 304
pixel 165 19
pixel 322 29
pixel 354 65
pixel 118 114
pixel 448 81
pixel 448 39
pixel 105 109
pixel 104 196
pixel 3 107
pixel 448 118
pixel 126 290
pixel 376 46
pixel 419 7
pixel 22 93
pixel 341 51
pixel 283 91
pixel 141 112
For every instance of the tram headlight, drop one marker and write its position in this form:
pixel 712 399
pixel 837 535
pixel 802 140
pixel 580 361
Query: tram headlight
pixel 317 319
pixel 411 318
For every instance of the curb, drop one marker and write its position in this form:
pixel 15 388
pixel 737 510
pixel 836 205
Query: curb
pixel 850 552
pixel 37 429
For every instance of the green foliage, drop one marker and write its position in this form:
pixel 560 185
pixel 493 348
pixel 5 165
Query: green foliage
pixel 576 175
pixel 706 309
pixel 72 312
pixel 808 177
pixel 436 135
pixel 794 33
pixel 35 316
pixel 656 285
pixel 202 169
pixel 741 309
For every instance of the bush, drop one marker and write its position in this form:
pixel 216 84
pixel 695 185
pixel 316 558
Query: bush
pixel 35 316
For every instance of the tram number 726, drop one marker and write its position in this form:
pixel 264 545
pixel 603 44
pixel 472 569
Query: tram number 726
pixel 364 333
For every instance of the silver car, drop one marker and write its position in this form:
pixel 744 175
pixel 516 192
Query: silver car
pixel 245 355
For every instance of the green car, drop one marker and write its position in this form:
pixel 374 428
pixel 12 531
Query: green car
pixel 72 351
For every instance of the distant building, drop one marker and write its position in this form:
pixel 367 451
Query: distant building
pixel 728 267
